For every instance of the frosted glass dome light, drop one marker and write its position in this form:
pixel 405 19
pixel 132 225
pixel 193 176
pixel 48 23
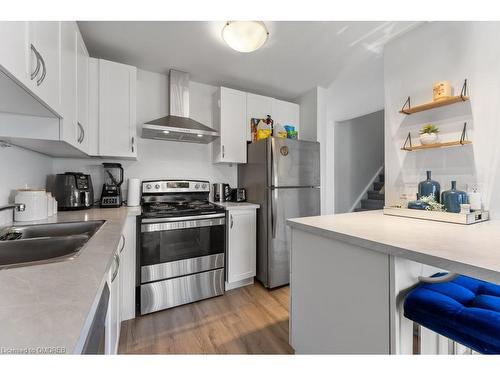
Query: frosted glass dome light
pixel 245 36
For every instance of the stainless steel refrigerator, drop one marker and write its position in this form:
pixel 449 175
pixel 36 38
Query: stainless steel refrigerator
pixel 283 176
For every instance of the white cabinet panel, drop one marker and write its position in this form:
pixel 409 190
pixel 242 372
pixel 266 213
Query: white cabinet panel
pixel 117 106
pixel 14 49
pixel 258 106
pixel 45 37
pixel 230 121
pixel 128 258
pixel 286 113
pixel 241 245
pixel 82 94
pixel 68 130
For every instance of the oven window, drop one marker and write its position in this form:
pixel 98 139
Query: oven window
pixel 172 245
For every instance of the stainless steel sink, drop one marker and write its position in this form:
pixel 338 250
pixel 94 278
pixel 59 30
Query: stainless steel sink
pixel 18 232
pixel 23 245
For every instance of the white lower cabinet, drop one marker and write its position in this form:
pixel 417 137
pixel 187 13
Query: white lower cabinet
pixel 128 260
pixel 121 282
pixel 241 247
pixel 113 319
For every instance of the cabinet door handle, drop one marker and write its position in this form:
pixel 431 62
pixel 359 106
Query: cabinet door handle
pixel 37 69
pixel 223 152
pixel 44 71
pixel 123 244
pixel 133 144
pixel 232 221
pixel 82 133
pixel 117 261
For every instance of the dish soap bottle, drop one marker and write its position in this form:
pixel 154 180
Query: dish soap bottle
pixel 429 187
pixel 453 198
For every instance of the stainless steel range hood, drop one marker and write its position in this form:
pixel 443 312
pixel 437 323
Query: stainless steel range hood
pixel 178 126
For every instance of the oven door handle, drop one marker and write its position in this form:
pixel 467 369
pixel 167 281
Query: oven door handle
pixel 185 224
pixel 183 218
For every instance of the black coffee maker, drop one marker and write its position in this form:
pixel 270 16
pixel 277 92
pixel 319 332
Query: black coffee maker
pixel 111 196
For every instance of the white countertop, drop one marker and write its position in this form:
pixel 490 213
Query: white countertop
pixel 473 250
pixel 47 305
pixel 237 205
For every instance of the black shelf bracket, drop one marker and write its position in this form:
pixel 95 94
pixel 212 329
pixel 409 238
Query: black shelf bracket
pixel 406 106
pixel 463 137
pixel 464 92
pixel 408 141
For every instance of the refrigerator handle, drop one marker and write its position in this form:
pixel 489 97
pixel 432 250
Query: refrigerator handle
pixel 274 197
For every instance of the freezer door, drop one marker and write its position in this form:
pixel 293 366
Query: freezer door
pixel 286 203
pixel 294 163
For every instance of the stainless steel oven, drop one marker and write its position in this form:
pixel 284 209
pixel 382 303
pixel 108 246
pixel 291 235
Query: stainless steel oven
pixel 181 260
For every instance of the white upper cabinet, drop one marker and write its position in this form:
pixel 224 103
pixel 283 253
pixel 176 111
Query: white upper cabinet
pixel 82 94
pixel 258 106
pixel 117 110
pixel 68 83
pixel 230 121
pixel 285 113
pixel 44 36
pixel 14 50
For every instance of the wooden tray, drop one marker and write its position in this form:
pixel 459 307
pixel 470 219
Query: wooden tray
pixel 447 217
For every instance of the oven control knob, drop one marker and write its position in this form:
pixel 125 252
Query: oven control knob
pixel 197 186
pixel 148 186
pixel 157 186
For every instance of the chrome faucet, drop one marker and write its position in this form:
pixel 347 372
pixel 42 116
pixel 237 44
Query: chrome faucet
pixel 20 207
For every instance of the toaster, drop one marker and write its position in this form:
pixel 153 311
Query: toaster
pixel 238 195
pixel 73 191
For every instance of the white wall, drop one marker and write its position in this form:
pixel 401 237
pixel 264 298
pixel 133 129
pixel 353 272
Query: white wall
pixel 359 154
pixel 160 159
pixel 444 51
pixel 20 168
pixel 358 90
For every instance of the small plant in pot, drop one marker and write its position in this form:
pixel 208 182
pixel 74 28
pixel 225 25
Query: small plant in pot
pixel 429 134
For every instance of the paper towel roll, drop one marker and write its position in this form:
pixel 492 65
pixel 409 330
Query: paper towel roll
pixel 134 192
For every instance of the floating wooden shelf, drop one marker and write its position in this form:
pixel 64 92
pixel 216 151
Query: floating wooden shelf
pixel 437 104
pixel 436 145
pixel 408 109
pixel 407 146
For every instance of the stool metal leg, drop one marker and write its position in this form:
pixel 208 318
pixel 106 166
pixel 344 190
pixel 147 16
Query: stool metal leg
pixel 452 347
pixel 417 338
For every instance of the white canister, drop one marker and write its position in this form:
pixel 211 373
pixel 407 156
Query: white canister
pixel 54 206
pixel 35 202
pixel 475 200
pixel 50 205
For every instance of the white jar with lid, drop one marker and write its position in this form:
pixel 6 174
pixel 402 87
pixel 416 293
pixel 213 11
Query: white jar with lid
pixel 35 201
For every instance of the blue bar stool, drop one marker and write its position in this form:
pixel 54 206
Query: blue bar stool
pixel 461 308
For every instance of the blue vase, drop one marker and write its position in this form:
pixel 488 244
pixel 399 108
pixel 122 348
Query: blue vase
pixel 429 187
pixel 452 199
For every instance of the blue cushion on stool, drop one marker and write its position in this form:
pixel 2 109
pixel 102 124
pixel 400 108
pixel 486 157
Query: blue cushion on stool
pixel 465 310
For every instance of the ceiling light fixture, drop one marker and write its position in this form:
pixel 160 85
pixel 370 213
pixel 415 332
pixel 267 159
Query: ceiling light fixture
pixel 245 36
pixel 166 131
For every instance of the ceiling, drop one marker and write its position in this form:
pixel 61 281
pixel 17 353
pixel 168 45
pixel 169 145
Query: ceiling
pixel 297 56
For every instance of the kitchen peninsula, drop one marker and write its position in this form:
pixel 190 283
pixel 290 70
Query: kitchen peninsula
pixel 350 272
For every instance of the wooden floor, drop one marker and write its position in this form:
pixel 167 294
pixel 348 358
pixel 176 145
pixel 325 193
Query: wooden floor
pixel 248 320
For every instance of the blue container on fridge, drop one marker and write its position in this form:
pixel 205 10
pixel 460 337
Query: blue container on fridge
pixel 453 198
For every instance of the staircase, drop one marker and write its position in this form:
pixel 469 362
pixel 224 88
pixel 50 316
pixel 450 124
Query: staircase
pixel 375 198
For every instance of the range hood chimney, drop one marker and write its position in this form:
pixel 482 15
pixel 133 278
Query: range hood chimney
pixel 178 126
